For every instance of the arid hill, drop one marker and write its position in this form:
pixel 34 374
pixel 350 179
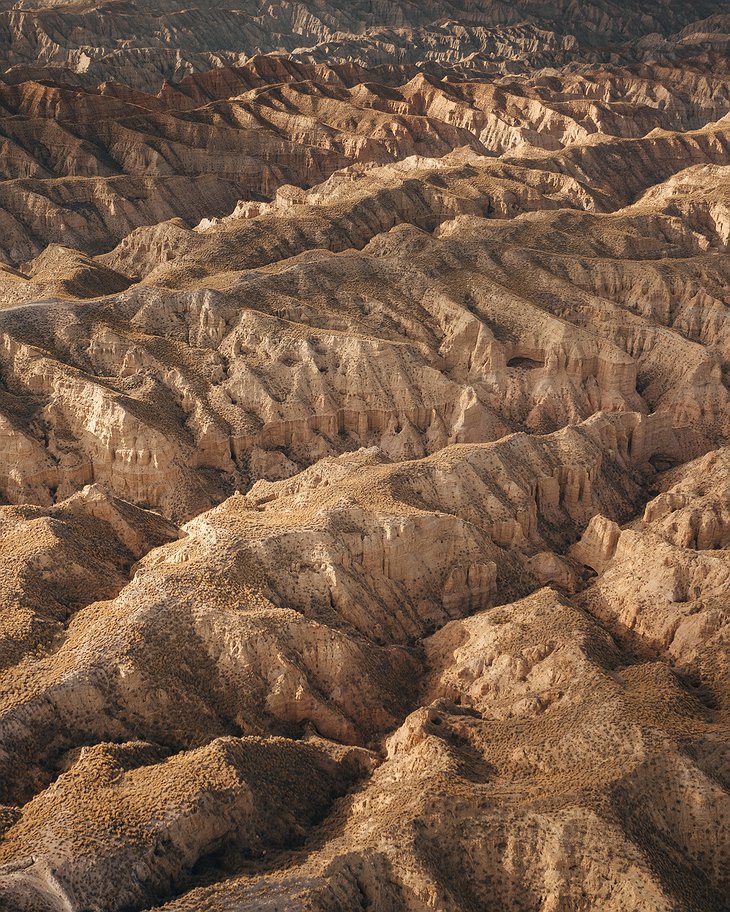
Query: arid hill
pixel 84 167
pixel 142 44
pixel 365 476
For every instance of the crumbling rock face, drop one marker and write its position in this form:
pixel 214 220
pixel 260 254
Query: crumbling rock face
pixel 541 760
pixel 140 46
pixel 663 582
pixel 303 603
pixel 325 583
pixel 364 501
pixel 85 166
pixel 271 354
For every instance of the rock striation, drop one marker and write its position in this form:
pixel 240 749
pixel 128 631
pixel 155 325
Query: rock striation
pixel 83 166
pixel 140 45
pixel 364 466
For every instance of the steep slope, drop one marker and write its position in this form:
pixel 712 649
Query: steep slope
pixel 302 601
pixel 83 168
pixel 364 493
pixel 273 352
pixel 142 44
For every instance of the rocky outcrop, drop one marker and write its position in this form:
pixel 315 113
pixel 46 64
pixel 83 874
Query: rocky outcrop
pixel 295 609
pixel 363 456
pixel 597 547
pixel 309 595
pixel 540 754
pixel 176 398
pixel 663 581
pixel 84 167
pixel 168 43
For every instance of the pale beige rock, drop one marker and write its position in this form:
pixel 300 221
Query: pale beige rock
pixel 364 480
pixel 597 547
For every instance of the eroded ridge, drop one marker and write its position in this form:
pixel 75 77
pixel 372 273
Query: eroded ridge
pixel 364 467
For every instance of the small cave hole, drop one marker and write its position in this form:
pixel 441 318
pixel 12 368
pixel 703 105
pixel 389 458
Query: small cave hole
pixel 662 463
pixel 525 363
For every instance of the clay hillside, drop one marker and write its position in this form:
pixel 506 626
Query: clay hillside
pixel 364 456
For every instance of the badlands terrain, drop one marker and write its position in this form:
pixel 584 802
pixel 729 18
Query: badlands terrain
pixel 364 456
